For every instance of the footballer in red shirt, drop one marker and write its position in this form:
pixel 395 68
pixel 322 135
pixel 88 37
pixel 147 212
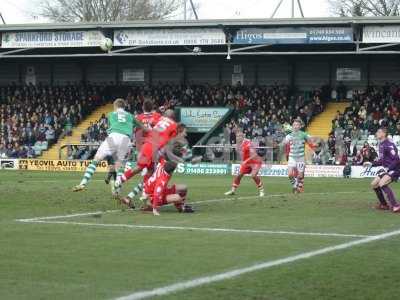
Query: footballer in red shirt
pixel 162 133
pixel 251 162
pixel 149 118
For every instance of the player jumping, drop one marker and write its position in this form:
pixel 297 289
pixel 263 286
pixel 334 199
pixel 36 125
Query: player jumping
pixel 389 160
pixel 296 162
pixel 149 118
pixel 120 127
pixel 251 163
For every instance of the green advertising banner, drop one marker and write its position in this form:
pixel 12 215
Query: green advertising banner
pixel 203 169
pixel 201 119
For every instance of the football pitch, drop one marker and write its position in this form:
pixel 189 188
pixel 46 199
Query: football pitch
pixel 327 243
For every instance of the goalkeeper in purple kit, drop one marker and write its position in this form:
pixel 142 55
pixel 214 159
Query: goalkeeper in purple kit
pixel 390 172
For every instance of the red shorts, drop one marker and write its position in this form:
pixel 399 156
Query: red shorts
pixel 146 156
pixel 171 190
pixel 250 166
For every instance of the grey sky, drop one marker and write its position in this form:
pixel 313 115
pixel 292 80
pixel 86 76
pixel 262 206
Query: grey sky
pixel 20 11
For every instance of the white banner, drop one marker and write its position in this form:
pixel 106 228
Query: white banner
pixel 381 34
pixel 282 170
pixel 348 74
pixel 132 75
pixel 52 39
pixel 168 37
pixel 9 164
pixel 363 172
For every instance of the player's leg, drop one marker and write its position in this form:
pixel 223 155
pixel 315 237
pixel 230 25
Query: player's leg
pixel 257 179
pixel 292 173
pixel 145 160
pixel 103 151
pixel 244 169
pixel 301 166
pixel 384 185
pixel 121 149
pixel 112 174
pixel 177 195
pixel 379 194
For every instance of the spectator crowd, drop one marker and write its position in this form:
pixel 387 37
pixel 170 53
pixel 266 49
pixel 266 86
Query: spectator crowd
pixel 32 118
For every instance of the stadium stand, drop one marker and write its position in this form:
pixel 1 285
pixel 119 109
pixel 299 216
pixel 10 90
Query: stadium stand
pixel 369 109
pixel 35 117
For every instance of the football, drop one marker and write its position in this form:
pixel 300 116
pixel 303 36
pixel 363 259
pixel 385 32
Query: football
pixel 106 44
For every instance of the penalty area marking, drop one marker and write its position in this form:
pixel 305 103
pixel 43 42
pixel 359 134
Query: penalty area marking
pixel 200 281
pixel 206 229
pixel 28 220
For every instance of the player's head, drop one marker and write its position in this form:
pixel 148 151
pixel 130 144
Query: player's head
pixel 147 105
pixel 119 103
pixel 381 133
pixel 169 113
pixel 297 125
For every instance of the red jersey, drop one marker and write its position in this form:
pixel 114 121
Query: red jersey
pixel 246 149
pixel 157 185
pixel 163 132
pixel 149 120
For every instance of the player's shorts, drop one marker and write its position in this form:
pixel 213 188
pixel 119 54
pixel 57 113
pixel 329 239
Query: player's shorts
pixel 298 164
pixel 250 166
pixel 393 174
pixel 171 190
pixel 146 157
pixel 115 145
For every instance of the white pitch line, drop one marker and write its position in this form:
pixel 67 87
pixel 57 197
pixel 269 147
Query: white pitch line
pixel 195 202
pixel 180 286
pixel 208 229
pixel 66 216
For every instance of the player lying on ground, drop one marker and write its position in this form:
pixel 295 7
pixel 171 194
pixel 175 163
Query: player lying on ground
pixel 165 131
pixel 296 160
pixel 158 191
pixel 389 160
pixel 120 127
pixel 252 158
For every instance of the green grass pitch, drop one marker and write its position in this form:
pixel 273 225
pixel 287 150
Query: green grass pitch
pixel 120 253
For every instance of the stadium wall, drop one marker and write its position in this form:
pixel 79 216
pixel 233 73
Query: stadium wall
pixel 305 73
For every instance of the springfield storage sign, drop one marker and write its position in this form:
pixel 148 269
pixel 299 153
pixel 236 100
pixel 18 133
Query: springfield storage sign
pixel 303 35
pixel 381 34
pixel 58 165
pixel 168 37
pixel 199 119
pixel 51 39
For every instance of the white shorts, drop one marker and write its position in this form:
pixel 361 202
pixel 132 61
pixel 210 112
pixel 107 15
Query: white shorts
pixel 299 164
pixel 115 145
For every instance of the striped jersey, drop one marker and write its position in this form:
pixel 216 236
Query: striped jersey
pixel 297 141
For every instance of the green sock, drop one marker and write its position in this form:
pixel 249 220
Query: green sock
pixel 89 172
pixel 136 191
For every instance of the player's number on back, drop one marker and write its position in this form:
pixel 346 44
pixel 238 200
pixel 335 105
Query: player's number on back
pixel 162 125
pixel 121 118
